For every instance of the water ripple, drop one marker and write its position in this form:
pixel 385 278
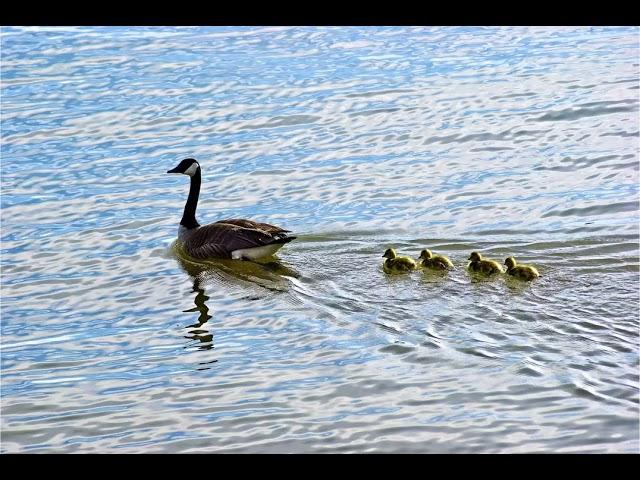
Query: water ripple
pixel 512 141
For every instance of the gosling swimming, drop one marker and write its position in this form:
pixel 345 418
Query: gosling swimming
pixel 478 264
pixel 436 262
pixel 394 263
pixel 523 272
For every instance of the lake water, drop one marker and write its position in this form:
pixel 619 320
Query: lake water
pixel 510 141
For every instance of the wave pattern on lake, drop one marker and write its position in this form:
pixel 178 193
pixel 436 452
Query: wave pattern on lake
pixel 510 141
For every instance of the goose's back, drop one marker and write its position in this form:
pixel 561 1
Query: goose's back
pixel 221 238
pixel 241 222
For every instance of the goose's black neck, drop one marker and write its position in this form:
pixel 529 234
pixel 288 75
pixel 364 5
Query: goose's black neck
pixel 189 215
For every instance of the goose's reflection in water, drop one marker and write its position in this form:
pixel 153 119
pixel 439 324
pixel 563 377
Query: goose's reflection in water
pixel 271 275
pixel 199 333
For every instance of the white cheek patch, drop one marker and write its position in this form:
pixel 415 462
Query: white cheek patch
pixel 191 170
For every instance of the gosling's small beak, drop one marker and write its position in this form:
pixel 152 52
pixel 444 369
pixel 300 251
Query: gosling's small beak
pixel 173 170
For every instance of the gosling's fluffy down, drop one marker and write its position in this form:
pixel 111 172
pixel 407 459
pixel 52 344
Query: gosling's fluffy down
pixel 394 263
pixel 478 264
pixel 437 262
pixel 523 272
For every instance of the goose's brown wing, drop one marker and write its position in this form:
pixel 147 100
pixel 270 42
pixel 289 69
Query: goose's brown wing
pixel 220 239
pixel 240 222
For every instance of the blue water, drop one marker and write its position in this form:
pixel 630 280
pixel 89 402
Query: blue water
pixel 510 141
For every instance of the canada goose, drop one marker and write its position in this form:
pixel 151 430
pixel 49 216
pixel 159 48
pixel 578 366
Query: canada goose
pixel 230 238
pixel 478 264
pixel 438 262
pixel 393 263
pixel 523 272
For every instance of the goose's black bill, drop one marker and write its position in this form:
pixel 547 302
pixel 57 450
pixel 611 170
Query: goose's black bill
pixel 174 170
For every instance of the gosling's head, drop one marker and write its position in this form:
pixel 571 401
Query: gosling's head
pixel 425 254
pixel 510 262
pixel 475 257
pixel 390 253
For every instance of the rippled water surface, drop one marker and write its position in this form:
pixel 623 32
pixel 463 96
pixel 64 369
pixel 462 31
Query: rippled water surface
pixel 519 141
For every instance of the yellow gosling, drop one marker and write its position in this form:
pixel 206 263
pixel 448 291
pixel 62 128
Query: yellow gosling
pixel 394 263
pixel 523 272
pixel 478 264
pixel 437 262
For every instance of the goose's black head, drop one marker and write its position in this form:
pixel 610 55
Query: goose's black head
pixel 188 166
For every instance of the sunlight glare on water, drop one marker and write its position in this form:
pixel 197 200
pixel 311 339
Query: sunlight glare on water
pixel 509 141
